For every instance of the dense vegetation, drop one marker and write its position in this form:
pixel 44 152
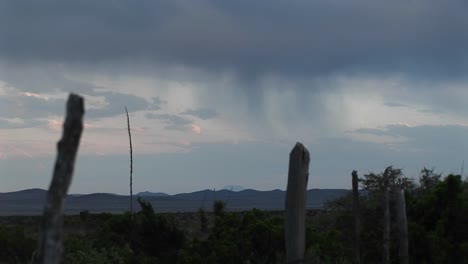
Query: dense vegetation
pixel 437 212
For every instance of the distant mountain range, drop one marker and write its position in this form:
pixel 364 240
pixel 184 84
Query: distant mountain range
pixel 234 188
pixel 31 201
pixel 152 194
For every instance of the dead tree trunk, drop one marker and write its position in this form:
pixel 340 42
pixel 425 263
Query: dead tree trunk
pixel 386 231
pixel 402 227
pixel 50 242
pixel 357 219
pixel 296 195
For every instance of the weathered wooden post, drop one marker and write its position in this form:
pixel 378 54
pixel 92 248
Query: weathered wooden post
pixel 357 219
pixel 402 227
pixel 50 242
pixel 386 231
pixel 296 195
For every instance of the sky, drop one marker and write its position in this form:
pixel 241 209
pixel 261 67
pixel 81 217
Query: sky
pixel 218 92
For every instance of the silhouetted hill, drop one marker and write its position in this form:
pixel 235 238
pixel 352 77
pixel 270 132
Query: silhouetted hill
pixel 25 194
pixel 204 195
pixel 31 202
pixel 152 194
pixel 234 188
pixel 97 196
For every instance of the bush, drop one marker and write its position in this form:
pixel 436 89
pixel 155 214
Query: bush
pixel 15 246
pixel 251 237
pixel 203 220
pixel 80 251
pixel 145 233
pixel 218 207
pixel 84 216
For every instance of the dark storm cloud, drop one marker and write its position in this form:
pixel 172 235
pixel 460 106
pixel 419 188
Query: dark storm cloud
pixel 43 78
pixel 202 113
pixel 311 38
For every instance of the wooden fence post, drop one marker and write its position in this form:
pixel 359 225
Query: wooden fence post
pixel 50 242
pixel 402 227
pixel 296 195
pixel 357 219
pixel 386 231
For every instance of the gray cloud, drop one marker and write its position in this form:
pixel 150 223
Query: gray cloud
pixel 28 107
pixel 372 131
pixel 441 140
pixel 395 104
pixel 43 78
pixel 202 113
pixel 311 41
pixel 117 101
pixel 31 108
pixel 172 119
pixel 311 38
pixel 5 124
pixel 173 122
pixel 440 147
pixel 449 140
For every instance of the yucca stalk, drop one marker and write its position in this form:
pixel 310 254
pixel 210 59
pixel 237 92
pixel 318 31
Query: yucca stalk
pixel 131 161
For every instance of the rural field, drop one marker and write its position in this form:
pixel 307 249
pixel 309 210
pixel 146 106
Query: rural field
pixel 437 211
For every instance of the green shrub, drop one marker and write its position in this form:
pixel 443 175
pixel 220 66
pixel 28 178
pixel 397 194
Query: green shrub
pixel 203 220
pixel 15 245
pixel 251 237
pixel 219 207
pixel 145 233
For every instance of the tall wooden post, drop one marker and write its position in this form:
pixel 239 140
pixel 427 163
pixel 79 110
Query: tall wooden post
pixel 50 242
pixel 296 195
pixel 402 227
pixel 357 220
pixel 386 231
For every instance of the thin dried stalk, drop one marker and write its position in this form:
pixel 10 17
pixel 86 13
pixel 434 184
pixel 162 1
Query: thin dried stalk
pixel 131 161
